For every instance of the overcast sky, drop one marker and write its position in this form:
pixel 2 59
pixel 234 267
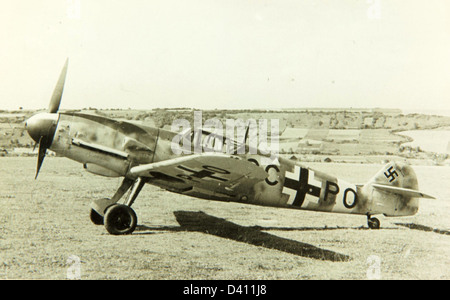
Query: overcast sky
pixel 229 54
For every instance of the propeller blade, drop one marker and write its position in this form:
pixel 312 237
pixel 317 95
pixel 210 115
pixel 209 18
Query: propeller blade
pixel 41 155
pixel 58 91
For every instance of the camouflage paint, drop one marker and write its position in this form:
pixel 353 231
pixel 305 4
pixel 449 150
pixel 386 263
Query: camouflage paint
pixel 110 148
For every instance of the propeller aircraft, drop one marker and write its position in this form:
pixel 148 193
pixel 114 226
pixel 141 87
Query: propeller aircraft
pixel 141 154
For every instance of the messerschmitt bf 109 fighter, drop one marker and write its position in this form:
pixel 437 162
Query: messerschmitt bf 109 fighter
pixel 142 154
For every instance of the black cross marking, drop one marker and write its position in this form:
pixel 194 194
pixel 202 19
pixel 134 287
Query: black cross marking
pixel 208 172
pixel 302 187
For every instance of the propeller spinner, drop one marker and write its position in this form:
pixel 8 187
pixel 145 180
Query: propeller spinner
pixel 41 127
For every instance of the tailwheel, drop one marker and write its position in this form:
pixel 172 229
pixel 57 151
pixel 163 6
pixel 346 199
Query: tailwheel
pixel 373 223
pixel 96 218
pixel 120 219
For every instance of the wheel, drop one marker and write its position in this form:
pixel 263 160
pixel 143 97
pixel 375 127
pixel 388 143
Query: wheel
pixel 373 223
pixel 96 218
pixel 120 219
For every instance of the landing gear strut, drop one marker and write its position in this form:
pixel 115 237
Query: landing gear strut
pixel 118 218
pixel 373 223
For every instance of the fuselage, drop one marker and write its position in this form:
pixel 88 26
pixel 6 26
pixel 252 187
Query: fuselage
pixel 110 148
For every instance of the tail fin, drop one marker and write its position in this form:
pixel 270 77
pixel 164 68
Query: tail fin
pixel 394 191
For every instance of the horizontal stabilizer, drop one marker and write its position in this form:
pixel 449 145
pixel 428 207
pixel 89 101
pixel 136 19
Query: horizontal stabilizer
pixel 402 191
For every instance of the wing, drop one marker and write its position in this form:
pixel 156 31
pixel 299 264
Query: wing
pixel 210 173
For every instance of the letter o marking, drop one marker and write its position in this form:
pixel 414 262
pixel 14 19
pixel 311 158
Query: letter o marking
pixel 355 198
pixel 252 160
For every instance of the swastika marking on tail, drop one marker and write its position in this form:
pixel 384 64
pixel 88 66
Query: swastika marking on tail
pixel 391 175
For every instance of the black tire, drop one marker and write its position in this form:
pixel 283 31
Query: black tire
pixel 96 218
pixel 373 223
pixel 120 219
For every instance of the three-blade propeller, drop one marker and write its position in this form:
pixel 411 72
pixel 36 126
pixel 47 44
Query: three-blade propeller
pixel 41 127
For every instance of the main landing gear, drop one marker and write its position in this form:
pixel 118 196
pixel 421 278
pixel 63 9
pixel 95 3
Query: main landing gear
pixel 373 223
pixel 118 218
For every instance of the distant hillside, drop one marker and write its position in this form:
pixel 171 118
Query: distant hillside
pixel 312 131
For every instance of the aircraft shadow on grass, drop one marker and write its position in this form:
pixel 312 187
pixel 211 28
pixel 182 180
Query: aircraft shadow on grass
pixel 202 222
pixel 423 228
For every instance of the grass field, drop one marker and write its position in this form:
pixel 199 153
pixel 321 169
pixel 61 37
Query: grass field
pixel 45 222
